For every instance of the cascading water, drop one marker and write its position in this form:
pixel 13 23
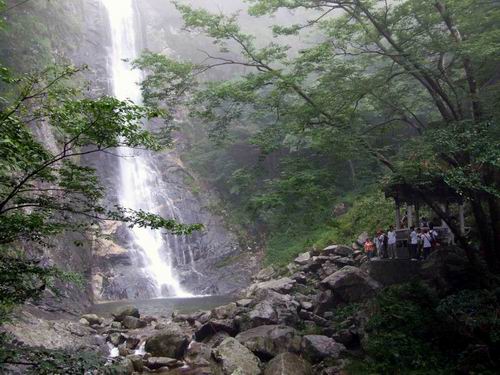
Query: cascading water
pixel 138 177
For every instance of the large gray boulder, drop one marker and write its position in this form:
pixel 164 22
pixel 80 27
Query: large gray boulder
pixel 155 363
pixel 265 274
pixel 269 340
pixel 263 313
pixel 116 338
pixel 341 250
pixel 198 355
pixel 215 326
pixel 234 358
pixel 92 319
pixel 283 285
pixel 122 312
pixel 350 284
pixel 317 347
pixel 131 322
pixel 268 301
pixel 303 258
pixel 169 342
pixel 288 364
pixel 226 311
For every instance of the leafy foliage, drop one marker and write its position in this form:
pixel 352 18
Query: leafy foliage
pixel 410 331
pixel 397 88
pixel 44 189
pixel 47 361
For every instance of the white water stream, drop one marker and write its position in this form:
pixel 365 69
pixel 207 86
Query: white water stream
pixel 138 177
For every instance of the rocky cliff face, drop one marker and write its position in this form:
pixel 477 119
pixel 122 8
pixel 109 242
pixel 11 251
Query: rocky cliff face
pixel 209 262
pixel 83 46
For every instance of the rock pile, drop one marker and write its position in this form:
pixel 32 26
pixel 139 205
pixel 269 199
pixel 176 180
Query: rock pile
pixel 283 324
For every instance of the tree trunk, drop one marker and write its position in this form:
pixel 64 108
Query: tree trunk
pixel 494 208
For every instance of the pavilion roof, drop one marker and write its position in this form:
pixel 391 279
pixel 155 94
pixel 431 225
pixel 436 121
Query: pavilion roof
pixel 438 191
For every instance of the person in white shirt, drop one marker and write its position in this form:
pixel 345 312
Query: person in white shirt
pixel 434 236
pixel 391 243
pixel 378 246
pixel 427 238
pixel 413 243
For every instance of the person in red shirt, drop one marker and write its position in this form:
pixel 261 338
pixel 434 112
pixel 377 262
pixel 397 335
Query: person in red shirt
pixel 369 247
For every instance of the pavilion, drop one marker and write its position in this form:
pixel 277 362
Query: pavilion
pixel 405 195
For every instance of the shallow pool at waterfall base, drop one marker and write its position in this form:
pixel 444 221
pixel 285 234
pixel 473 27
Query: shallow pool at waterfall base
pixel 163 306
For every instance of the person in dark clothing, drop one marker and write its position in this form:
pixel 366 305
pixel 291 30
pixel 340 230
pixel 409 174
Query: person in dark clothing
pixel 383 241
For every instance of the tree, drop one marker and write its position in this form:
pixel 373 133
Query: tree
pixel 425 69
pixel 44 189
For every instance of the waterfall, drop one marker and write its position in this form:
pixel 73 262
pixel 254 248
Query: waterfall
pixel 138 179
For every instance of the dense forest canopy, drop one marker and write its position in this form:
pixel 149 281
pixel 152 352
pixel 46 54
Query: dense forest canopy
pixel 387 92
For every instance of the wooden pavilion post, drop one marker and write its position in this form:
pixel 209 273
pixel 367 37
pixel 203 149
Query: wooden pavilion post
pixel 417 214
pixel 398 214
pixel 461 217
pixel 409 213
pixel 445 208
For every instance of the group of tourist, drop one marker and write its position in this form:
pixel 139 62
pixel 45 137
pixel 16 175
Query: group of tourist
pixel 421 242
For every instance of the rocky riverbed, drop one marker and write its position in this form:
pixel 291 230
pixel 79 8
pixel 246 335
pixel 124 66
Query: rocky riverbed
pixel 289 321
pixel 283 323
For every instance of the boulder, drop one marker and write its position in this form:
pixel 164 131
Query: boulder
pixel 350 284
pixel 84 322
pixel 317 347
pixel 215 326
pixel 343 261
pixel 116 338
pixel 136 362
pixel 200 316
pixel 122 312
pixel 303 258
pixel 132 322
pixel 269 340
pixel 318 320
pixel 244 302
pixel 299 277
pixel 283 285
pixel 284 305
pixel 234 358
pixel 161 325
pixel 155 363
pixel 198 355
pixel 323 302
pixel 265 274
pixel 216 339
pixel 124 367
pixel 288 364
pixel 92 319
pixel 343 251
pixel 225 312
pixel 328 268
pixel 306 305
pixel 263 313
pixel 169 342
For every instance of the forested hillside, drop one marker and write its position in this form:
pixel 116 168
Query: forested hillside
pixel 378 93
